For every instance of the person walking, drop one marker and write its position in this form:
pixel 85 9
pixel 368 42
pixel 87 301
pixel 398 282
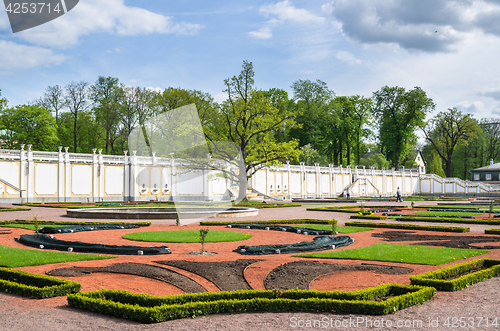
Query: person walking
pixel 347 194
pixel 398 196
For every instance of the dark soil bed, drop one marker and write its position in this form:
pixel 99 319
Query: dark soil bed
pixel 144 270
pixel 438 240
pixel 300 274
pixel 226 275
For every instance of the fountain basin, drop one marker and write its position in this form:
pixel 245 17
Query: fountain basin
pixel 161 212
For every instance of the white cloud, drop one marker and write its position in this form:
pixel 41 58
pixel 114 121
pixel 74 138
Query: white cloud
pixel 15 56
pixel 286 12
pixel 262 33
pixel 347 57
pixel 110 16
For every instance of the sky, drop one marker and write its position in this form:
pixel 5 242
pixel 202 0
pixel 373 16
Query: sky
pixel 449 48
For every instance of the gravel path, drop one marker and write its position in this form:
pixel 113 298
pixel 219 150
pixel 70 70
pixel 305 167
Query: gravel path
pixel 474 304
pixel 477 302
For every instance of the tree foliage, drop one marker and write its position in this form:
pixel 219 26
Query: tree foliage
pixel 399 113
pixel 30 124
pixel 446 130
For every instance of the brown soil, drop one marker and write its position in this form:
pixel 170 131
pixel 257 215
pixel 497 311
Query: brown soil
pixel 227 275
pixel 144 270
pixel 299 274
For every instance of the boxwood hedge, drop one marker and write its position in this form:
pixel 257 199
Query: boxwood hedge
pixel 488 268
pixel 409 226
pixel 33 285
pixel 446 220
pixel 292 221
pixel 150 309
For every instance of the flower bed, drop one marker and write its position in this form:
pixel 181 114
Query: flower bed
pixel 32 285
pixel 439 279
pixel 150 309
pixel 446 220
pixel 409 227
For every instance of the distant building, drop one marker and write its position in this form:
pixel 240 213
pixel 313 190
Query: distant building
pixel 416 156
pixel 490 173
pixel 413 155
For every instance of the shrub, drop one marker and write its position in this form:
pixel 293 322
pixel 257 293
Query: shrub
pixel 33 285
pixel 409 227
pixel 292 221
pixel 149 309
pixel 437 278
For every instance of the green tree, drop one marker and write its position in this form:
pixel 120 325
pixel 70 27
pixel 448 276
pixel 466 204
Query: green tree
pixel 399 113
pixel 446 130
pixel 30 124
pixel 248 119
pixel 53 99
pixel 436 166
pixel 76 97
pixel 311 108
pixel 107 95
pixel 375 160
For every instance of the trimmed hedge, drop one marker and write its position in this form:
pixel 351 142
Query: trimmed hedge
pixel 13 209
pixel 33 285
pixel 70 223
pixel 372 216
pixel 354 210
pixel 448 207
pixel 409 227
pixel 292 221
pixel 269 205
pixel 150 309
pixel 446 220
pixel 437 279
pixel 492 231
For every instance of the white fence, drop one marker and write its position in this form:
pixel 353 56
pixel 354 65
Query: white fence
pixel 34 176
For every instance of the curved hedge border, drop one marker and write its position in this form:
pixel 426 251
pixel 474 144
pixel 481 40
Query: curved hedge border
pixel 372 216
pixel 292 221
pixel 436 278
pixel 71 222
pixel 13 209
pixel 492 231
pixel 409 227
pixel 446 220
pixel 33 285
pixel 150 309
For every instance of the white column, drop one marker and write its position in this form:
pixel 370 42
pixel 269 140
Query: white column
pixel 67 174
pixel 101 174
pixel 24 174
pixel 95 176
pixel 31 170
pixel 126 179
pixel 60 175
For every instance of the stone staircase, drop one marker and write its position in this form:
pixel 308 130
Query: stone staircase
pixel 254 196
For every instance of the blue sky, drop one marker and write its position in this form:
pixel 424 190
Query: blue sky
pixel 449 48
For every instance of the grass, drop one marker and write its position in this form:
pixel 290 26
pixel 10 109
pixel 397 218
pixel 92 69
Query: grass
pixel 340 229
pixel 28 226
pixel 187 236
pixel 18 257
pixel 400 253
pixel 447 213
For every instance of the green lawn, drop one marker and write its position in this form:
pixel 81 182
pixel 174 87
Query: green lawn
pixel 447 213
pixel 18 257
pixel 28 226
pixel 400 253
pixel 186 236
pixel 340 229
